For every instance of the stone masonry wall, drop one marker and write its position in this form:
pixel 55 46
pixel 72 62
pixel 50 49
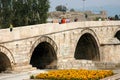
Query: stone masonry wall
pixel 66 37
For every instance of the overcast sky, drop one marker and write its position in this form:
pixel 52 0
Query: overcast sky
pixel 111 6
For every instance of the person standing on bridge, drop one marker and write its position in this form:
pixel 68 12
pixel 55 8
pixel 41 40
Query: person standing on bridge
pixel 63 20
pixel 11 27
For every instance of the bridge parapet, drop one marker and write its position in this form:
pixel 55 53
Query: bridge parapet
pixel 50 28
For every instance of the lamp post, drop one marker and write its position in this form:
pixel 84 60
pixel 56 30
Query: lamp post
pixel 85 15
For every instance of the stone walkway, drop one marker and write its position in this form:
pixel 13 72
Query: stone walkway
pixel 26 75
pixel 114 77
pixel 19 76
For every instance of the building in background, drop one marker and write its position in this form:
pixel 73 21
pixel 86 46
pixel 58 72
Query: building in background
pixel 81 16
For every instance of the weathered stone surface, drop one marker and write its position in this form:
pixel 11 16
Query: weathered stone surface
pixel 64 39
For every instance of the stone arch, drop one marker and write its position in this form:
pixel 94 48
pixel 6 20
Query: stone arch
pixel 43 53
pixel 117 34
pixel 87 46
pixel 6 59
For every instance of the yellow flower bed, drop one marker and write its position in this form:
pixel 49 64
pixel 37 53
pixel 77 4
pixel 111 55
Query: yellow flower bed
pixel 73 74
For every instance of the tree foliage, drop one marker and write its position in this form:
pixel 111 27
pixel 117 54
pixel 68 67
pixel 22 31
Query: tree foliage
pixel 23 12
pixel 72 10
pixel 61 8
pixel 116 17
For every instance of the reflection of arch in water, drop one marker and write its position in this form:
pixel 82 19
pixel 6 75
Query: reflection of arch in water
pixel 44 53
pixel 6 59
pixel 87 46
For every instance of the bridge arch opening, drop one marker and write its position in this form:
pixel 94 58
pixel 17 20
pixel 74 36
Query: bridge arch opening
pixel 87 48
pixel 44 56
pixel 117 35
pixel 5 64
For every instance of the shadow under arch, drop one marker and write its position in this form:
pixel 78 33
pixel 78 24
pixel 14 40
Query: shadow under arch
pixel 117 34
pixel 6 59
pixel 5 64
pixel 43 53
pixel 87 47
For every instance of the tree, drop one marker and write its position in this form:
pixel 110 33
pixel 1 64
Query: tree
pixel 72 10
pixel 23 12
pixel 61 8
pixel 5 13
pixel 116 17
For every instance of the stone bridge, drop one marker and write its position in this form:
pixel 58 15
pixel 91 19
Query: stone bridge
pixel 76 45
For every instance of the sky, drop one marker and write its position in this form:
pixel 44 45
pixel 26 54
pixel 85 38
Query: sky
pixel 111 6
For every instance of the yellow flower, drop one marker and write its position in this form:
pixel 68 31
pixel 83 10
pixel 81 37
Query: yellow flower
pixel 75 74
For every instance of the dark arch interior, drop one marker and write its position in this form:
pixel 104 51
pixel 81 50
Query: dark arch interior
pixel 117 35
pixel 4 63
pixel 44 57
pixel 87 48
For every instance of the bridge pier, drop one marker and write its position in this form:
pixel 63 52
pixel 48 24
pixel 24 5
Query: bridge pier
pixel 21 67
